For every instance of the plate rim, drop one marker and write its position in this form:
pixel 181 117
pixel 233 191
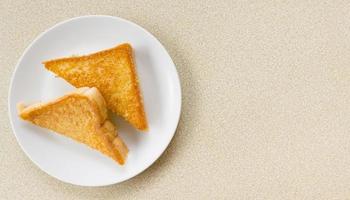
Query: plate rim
pixel 177 83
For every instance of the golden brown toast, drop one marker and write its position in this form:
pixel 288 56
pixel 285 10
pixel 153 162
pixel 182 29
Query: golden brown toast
pixel 82 116
pixel 112 71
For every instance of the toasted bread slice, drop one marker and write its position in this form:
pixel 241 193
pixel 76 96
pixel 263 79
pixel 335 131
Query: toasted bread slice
pixel 111 71
pixel 82 116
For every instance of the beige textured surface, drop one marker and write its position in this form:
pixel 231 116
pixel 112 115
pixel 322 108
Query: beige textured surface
pixel 266 99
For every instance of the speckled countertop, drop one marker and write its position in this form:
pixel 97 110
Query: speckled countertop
pixel 266 99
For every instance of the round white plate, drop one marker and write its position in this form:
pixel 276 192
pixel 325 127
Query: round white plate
pixel 76 163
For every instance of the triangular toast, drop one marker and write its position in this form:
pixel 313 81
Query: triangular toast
pixel 113 73
pixel 82 116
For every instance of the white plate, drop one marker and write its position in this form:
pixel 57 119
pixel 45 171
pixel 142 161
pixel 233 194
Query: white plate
pixel 66 159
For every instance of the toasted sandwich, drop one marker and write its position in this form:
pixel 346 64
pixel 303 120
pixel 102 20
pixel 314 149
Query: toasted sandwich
pixel 113 73
pixel 82 116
